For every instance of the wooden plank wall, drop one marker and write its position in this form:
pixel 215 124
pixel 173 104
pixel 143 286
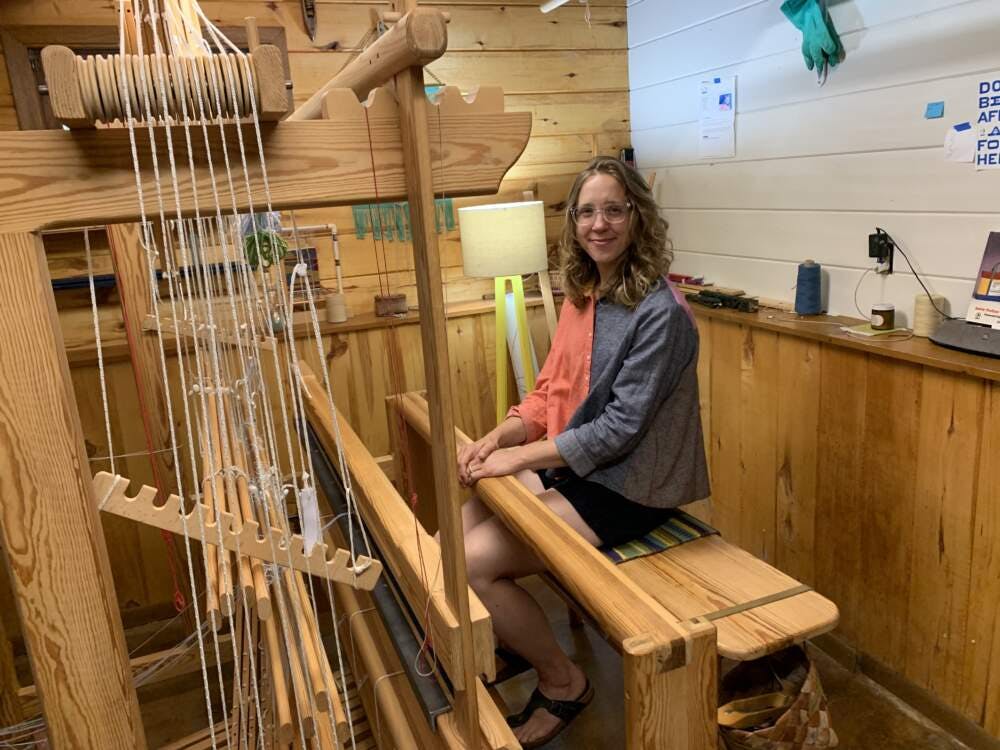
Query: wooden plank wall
pixel 873 480
pixel 817 168
pixel 572 76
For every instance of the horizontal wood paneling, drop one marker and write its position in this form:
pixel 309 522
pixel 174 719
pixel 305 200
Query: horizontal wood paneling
pixel 895 181
pixel 517 72
pixel 951 40
pixel 817 168
pixel 930 239
pixel 651 20
pixel 860 120
pixel 558 113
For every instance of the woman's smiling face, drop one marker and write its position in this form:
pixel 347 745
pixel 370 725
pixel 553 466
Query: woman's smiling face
pixel 604 241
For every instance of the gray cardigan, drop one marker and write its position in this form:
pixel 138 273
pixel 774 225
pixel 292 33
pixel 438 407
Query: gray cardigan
pixel 638 431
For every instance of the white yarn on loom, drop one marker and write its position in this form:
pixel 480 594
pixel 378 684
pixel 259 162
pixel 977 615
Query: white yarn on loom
pixel 148 244
pixel 202 354
pixel 100 349
pixel 293 365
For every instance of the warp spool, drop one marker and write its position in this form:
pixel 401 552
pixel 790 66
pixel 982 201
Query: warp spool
pixel 808 292
pixel 925 318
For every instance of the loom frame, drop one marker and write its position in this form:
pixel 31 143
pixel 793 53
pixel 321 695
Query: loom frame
pixel 50 528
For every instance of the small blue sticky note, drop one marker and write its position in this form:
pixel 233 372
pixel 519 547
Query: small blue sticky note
pixel 718 80
pixel 963 126
pixel 934 110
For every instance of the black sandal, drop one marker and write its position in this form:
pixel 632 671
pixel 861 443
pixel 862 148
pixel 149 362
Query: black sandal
pixel 513 665
pixel 563 710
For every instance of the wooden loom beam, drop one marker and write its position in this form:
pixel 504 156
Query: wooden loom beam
pixel 55 178
pixel 51 532
pixel 390 522
pixel 11 709
pixel 420 37
pixel 413 106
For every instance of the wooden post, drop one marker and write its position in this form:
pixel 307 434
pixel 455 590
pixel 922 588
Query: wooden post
pixel 437 369
pixel 10 704
pixel 671 709
pixel 50 525
pixel 136 294
pixel 545 286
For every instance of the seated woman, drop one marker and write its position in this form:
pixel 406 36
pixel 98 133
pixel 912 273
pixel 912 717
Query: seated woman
pixel 617 400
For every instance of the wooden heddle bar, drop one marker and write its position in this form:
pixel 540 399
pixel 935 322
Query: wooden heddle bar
pixel 272 546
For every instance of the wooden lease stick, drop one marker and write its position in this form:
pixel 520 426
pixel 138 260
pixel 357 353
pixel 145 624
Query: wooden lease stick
pixel 303 705
pixel 283 712
pixel 298 624
pixel 212 605
pixel 225 586
pixel 258 582
pixel 339 716
pixel 240 667
pixel 366 659
pixel 309 651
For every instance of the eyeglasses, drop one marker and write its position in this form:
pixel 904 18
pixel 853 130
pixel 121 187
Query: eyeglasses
pixel 614 213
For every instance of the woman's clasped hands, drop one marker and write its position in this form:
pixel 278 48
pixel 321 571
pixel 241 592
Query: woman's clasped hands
pixel 485 458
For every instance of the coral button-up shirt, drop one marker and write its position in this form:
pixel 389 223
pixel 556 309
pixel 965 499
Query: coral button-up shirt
pixel 564 381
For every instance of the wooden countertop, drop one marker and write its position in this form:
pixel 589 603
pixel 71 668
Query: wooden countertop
pixel 826 328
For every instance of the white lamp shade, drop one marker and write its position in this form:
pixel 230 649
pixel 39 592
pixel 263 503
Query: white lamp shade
pixel 504 239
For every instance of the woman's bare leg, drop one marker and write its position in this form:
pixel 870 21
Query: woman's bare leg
pixel 495 558
pixel 474 512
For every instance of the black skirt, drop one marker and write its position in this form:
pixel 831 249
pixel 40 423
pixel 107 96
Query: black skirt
pixel 614 519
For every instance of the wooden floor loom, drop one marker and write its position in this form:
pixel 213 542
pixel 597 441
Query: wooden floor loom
pixel 388 150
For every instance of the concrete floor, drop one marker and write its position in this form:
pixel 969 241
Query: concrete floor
pixel 864 716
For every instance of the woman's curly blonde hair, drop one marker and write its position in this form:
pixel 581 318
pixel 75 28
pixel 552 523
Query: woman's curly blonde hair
pixel 647 257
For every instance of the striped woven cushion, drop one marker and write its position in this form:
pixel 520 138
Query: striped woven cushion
pixel 681 527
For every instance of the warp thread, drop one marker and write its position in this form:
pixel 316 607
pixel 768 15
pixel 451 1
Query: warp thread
pixel 808 292
pixel 925 318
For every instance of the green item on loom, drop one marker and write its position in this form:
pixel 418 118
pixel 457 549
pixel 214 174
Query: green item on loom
pixel 821 45
pixel 263 248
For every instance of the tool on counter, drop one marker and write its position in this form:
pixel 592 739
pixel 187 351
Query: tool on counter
pixel 712 298
pixel 309 18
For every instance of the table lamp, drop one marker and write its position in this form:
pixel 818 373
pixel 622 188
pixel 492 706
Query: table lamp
pixel 503 241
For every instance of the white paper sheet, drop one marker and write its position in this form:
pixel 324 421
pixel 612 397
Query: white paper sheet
pixel 717 118
pixel 960 143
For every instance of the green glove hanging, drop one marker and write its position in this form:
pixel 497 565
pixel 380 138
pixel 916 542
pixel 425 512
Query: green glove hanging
pixel 821 45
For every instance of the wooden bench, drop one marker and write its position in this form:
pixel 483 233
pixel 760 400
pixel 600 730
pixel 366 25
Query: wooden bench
pixel 756 609
pixel 711 597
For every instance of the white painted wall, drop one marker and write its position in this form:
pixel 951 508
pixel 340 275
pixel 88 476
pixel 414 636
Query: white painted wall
pixel 816 169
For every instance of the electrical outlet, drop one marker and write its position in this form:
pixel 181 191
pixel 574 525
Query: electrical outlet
pixel 881 248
